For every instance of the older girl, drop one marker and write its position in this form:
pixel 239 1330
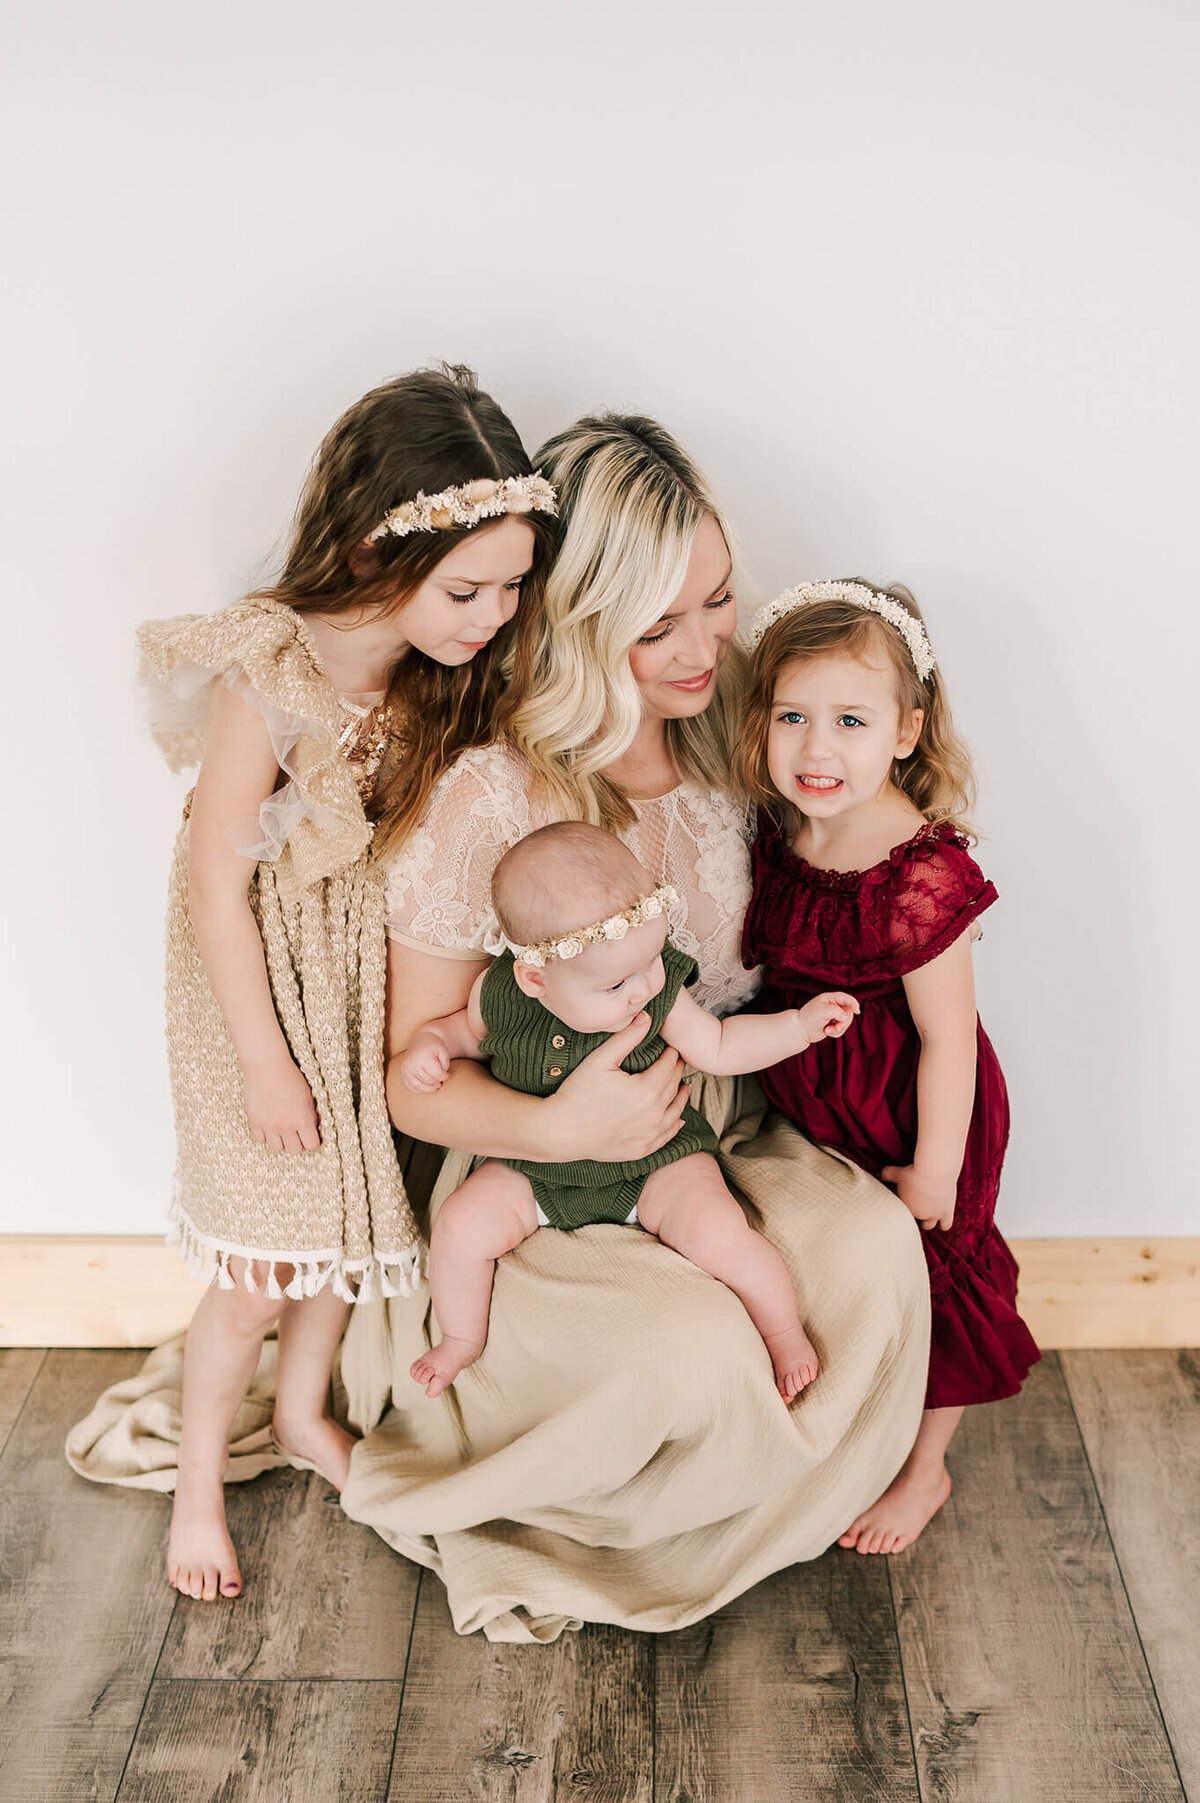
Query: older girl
pixel 321 711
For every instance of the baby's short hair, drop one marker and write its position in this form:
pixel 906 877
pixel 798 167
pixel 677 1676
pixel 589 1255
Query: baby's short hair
pixel 561 877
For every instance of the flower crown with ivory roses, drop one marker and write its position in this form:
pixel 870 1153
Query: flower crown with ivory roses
pixel 859 595
pixel 569 945
pixel 467 505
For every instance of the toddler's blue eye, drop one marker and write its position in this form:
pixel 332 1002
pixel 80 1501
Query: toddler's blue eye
pixel 791 719
pixel 850 720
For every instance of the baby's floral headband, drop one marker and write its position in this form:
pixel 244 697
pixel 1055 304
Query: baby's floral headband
pixel 859 595
pixel 569 945
pixel 466 506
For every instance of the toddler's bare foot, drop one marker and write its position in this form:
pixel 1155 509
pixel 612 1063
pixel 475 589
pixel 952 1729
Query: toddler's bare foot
pixel 201 1561
pixel 904 1509
pixel 795 1360
pixel 443 1362
pixel 322 1443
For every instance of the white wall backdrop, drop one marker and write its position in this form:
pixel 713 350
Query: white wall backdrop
pixel 916 284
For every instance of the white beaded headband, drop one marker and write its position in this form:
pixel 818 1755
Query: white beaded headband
pixel 466 506
pixel 859 595
pixel 569 945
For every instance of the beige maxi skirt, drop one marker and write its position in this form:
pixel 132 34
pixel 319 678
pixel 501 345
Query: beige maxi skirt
pixel 619 1453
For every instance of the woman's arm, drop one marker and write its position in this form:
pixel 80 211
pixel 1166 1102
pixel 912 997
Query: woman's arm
pixel 239 771
pixel 941 998
pixel 599 1112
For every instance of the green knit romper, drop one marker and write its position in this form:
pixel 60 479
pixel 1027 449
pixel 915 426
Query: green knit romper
pixel 530 1049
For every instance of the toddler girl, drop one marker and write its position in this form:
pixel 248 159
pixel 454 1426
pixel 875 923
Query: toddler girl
pixel 321 711
pixel 861 876
pixel 588 954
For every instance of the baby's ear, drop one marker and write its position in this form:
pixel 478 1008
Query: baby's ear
pixel 531 980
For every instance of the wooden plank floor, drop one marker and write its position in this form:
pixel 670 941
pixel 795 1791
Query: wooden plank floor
pixel 1040 1644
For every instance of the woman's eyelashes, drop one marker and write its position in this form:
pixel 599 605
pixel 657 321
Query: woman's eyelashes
pixel 656 638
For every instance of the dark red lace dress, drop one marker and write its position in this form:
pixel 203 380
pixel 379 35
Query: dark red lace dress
pixel 863 931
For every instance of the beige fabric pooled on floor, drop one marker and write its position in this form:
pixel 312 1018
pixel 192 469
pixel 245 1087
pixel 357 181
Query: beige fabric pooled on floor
pixel 620 1452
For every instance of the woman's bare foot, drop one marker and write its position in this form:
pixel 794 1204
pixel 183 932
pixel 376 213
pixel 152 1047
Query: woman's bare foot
pixel 443 1362
pixel 201 1561
pixel 795 1360
pixel 906 1507
pixel 321 1442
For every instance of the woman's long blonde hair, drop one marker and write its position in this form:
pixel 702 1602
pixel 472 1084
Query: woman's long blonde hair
pixel 937 776
pixel 630 501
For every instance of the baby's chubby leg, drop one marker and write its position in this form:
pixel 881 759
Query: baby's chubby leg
pixel 487 1216
pixel 689 1208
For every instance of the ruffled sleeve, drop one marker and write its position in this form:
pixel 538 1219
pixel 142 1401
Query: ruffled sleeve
pixel 314 824
pixel 439 884
pixel 934 892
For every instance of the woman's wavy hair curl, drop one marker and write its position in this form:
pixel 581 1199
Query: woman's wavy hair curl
pixel 937 777
pixel 429 430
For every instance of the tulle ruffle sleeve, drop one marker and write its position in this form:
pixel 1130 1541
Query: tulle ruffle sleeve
pixel 316 817
pixel 439 883
pixel 936 889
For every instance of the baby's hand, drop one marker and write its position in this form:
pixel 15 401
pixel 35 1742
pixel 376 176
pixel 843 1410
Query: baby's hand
pixel 930 1200
pixel 280 1110
pixel 425 1066
pixel 827 1016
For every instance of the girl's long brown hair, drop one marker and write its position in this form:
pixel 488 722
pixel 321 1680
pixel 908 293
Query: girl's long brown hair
pixel 937 777
pixel 427 431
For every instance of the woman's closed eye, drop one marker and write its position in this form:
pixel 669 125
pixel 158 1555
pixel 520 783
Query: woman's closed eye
pixel 656 638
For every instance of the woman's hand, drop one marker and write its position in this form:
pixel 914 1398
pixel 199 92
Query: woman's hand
pixel 602 1112
pixel 280 1108
pixel 930 1200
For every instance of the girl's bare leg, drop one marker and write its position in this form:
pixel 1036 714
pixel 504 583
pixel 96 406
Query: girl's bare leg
pixel 222 1351
pixel 914 1496
pixel 689 1208
pixel 487 1216
pixel 309 1332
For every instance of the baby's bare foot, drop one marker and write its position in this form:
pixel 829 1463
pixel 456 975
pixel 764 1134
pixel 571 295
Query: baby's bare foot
pixel 201 1561
pixel 795 1360
pixel 322 1443
pixel 906 1507
pixel 443 1362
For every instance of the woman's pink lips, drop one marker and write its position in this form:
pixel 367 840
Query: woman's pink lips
pixel 694 684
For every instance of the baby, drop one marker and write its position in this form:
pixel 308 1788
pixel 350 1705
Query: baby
pixel 540 1008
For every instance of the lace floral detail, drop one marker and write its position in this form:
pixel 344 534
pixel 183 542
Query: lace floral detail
pixel 439 884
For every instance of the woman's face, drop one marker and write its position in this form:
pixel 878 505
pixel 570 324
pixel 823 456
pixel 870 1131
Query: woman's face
pixel 675 663
pixel 466 598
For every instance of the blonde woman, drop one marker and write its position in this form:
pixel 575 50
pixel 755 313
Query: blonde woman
pixel 620 1452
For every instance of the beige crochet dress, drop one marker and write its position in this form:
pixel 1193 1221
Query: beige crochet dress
pixel 338 1215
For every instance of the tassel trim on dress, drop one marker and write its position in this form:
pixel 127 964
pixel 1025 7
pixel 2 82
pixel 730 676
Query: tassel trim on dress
pixel 353 1279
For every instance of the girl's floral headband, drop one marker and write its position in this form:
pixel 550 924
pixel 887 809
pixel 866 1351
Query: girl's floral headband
pixel 466 506
pixel 569 945
pixel 859 595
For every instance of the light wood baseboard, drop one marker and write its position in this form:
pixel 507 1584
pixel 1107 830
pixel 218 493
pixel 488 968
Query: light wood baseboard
pixel 126 1290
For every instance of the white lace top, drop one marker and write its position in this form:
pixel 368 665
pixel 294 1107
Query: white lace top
pixel 439 883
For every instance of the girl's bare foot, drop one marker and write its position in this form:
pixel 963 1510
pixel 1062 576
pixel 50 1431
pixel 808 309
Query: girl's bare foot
pixel 795 1360
pixel 321 1442
pixel 443 1362
pixel 904 1509
pixel 201 1561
